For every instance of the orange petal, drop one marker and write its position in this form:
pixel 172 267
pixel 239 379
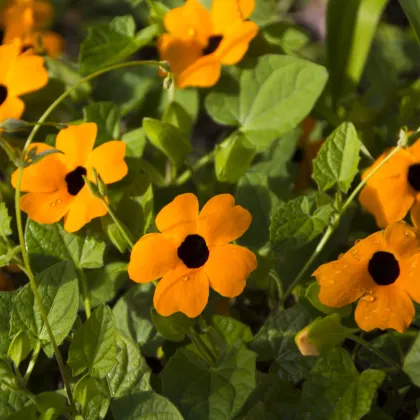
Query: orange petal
pixel 221 222
pixel 52 42
pixel 179 52
pixel 26 74
pixel 108 160
pixel 19 22
pixel 204 72
pixel 83 209
pixel 43 12
pixel 192 20
pixel 8 54
pixel 47 175
pixel 387 195
pixel 46 208
pixel 76 142
pixel 183 208
pixel 409 275
pixel 414 150
pixel 152 257
pixel 226 13
pixel 228 267
pixel 182 290
pixel 415 214
pixel 12 107
pixel 403 239
pixel 391 307
pixel 235 43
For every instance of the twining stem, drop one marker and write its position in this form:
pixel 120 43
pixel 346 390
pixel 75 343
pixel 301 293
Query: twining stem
pixel 119 225
pixel 85 292
pixel 32 362
pixel 374 350
pixel 24 251
pixel 331 228
pixel 185 176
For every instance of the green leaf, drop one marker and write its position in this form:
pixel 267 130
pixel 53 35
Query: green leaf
pixel 144 406
pixel 233 157
pixel 288 36
pixel 167 138
pixel 135 141
pixel 412 10
pixel 132 315
pixel 260 114
pixel 5 314
pixel 298 222
pixel 312 293
pixel 51 404
pixel 104 283
pixel 351 27
pixel 131 373
pixel 275 340
pixel 202 391
pixel 338 159
pixel 59 292
pixel 173 327
pixel 176 115
pixel 273 399
pixel 11 402
pixel 20 347
pixel 254 194
pixel 48 244
pixel 94 345
pixel 411 364
pixel 231 329
pixel 335 390
pixel 107 117
pixel 92 396
pixel 109 43
pixel 5 219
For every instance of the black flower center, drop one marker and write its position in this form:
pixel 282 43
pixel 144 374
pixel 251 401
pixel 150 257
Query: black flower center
pixel 414 176
pixel 3 94
pixel 383 268
pixel 25 47
pixel 75 181
pixel 193 251
pixel 214 42
pixel 298 155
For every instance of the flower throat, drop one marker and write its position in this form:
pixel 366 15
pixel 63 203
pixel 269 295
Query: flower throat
pixel 213 45
pixel 75 181
pixel 3 94
pixel 383 268
pixel 193 251
pixel 413 176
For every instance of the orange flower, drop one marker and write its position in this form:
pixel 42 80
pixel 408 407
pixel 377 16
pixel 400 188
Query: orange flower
pixel 25 20
pixel 55 185
pixel 193 253
pixel 19 74
pixel 394 189
pixel 382 271
pixel 306 151
pixel 199 41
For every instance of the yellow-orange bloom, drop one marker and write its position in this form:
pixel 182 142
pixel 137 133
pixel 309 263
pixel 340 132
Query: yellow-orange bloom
pixel 306 151
pixel 192 252
pixel 394 189
pixel 382 271
pixel 198 42
pixel 19 74
pixel 26 20
pixel 55 185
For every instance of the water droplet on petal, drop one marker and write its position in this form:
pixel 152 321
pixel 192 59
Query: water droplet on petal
pixel 185 278
pixel 338 271
pixel 59 201
pixel 52 204
pixel 332 281
pixel 369 298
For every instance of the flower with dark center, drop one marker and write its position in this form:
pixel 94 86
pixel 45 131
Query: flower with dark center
pixel 381 272
pixel 198 41
pixel 56 186
pixel 394 189
pixel 193 253
pixel 20 75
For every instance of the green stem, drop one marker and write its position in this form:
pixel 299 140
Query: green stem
pixel 119 226
pixel 331 228
pixel 374 350
pixel 85 292
pixel 19 223
pixel 202 348
pixel 185 176
pixel 32 362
